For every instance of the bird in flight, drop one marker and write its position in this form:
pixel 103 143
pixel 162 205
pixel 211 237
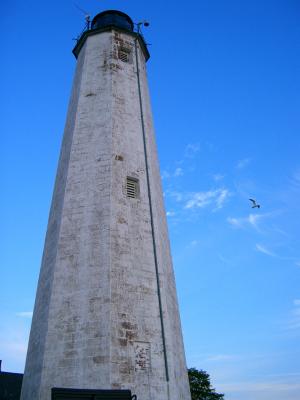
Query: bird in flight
pixel 255 205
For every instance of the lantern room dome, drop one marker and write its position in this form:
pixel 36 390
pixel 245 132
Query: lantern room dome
pixel 112 18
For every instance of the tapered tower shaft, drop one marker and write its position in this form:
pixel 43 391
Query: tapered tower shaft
pixel 106 313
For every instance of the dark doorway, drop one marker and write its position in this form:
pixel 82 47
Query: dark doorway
pixel 90 394
pixel 10 385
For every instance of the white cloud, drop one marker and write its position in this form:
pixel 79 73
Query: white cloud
pixel 170 213
pixel 295 180
pixel 191 149
pixel 202 199
pixel 280 231
pixel 222 197
pixel 225 260
pixel 248 376
pixel 218 177
pixel 178 172
pixel 251 220
pixel 294 320
pixel 296 177
pixel 243 163
pixel 168 175
pixel 165 175
pixel 297 263
pixel 264 250
pixel 192 244
pixel 24 314
pixel 268 389
pixel 221 357
pixel 13 343
pixel 236 222
pixel 177 196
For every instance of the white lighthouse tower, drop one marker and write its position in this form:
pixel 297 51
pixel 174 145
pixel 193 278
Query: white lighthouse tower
pixel 106 312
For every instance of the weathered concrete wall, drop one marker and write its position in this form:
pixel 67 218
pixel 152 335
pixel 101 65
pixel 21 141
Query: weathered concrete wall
pixel 38 334
pixel 96 321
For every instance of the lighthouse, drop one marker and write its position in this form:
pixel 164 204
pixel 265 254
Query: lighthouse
pixel 106 313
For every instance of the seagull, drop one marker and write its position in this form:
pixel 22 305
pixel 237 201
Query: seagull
pixel 255 205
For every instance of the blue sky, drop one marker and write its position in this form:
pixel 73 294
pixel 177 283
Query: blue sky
pixel 224 81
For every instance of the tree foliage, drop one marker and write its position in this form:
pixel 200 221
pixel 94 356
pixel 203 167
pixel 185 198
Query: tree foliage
pixel 200 385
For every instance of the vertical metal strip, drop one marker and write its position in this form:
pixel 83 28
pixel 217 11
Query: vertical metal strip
pixel 151 213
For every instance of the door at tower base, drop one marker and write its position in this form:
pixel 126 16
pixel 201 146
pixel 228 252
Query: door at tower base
pixel 89 394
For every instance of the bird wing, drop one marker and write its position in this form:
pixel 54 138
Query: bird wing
pixel 253 201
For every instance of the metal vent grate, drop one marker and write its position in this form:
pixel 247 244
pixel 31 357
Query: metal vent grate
pixel 123 56
pixel 132 187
